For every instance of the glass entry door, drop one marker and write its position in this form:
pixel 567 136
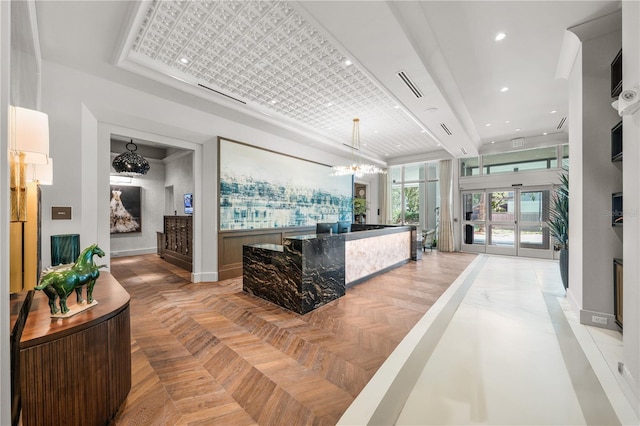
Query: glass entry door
pixel 507 221
pixel 501 222
pixel 533 237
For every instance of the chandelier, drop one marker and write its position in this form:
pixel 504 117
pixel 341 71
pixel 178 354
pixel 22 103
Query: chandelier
pixel 129 163
pixel 357 168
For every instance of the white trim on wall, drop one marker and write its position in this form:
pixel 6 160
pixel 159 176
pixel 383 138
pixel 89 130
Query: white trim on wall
pixel 5 363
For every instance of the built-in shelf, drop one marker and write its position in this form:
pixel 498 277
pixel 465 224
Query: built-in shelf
pixel 616 75
pixel 616 209
pixel 617 291
pixel 616 142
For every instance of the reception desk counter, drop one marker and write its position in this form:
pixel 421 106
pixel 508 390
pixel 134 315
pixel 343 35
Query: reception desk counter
pixel 309 271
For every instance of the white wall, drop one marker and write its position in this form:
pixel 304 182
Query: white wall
pixel 599 242
pixel 83 112
pixel 5 364
pixel 576 187
pixel 152 204
pixel 179 174
pixel 631 184
pixel 601 178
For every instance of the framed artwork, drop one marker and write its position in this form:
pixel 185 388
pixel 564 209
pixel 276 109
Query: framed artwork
pixel 125 209
pixel 262 189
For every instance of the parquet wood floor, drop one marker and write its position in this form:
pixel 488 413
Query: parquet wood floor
pixel 207 353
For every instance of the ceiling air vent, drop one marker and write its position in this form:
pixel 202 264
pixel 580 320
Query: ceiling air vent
pixel 561 123
pixel 220 93
pixel 414 89
pixel 446 129
pixel 464 151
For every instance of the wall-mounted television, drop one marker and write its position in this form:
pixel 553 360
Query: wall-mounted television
pixel 188 203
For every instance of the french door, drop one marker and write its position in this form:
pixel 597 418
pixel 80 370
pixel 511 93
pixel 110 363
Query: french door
pixel 507 221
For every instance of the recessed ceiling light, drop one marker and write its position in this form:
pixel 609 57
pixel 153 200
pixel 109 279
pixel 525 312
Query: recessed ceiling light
pixel 273 102
pixel 508 121
pixel 329 104
pixel 517 130
pixel 423 131
pixel 348 62
pixel 493 141
pixel 504 89
pixel 396 106
pixel 500 36
pixel 552 111
pixel 544 134
pixel 487 125
pixel 184 60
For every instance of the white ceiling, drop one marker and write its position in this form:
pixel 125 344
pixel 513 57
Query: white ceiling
pixel 283 65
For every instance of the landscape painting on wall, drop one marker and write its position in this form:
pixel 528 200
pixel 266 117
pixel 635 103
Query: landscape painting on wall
pixel 262 189
pixel 125 210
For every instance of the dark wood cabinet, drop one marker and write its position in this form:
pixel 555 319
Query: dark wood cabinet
pixel 76 370
pixel 177 241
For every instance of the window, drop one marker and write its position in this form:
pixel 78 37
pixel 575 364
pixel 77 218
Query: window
pixel 516 161
pixel 415 195
pixel 469 167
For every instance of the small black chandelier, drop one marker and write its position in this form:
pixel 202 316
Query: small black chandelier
pixel 129 163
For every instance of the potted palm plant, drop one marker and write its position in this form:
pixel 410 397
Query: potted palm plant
pixel 359 209
pixel 558 222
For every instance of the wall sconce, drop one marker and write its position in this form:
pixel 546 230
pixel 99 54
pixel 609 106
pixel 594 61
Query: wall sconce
pixel 28 145
pixel 42 174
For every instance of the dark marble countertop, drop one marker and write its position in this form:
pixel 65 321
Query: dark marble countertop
pixel 311 236
pixel 266 246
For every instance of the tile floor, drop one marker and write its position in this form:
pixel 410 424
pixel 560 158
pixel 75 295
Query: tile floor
pixel 514 353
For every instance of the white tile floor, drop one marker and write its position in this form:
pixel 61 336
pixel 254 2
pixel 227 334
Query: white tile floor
pixel 513 353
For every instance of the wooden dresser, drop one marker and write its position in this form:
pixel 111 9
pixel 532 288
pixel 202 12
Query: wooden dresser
pixel 177 241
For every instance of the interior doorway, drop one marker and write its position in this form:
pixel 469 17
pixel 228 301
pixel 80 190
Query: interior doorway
pixel 360 204
pixel 507 221
pixel 169 205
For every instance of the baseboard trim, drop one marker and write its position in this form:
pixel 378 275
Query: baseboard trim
pixel 587 318
pixel 135 252
pixel 204 277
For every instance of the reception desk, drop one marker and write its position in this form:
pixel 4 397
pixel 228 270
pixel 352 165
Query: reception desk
pixel 76 370
pixel 308 271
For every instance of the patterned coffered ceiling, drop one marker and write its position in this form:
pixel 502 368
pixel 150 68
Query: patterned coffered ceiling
pixel 266 55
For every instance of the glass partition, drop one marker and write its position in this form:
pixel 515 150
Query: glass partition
pixel 469 166
pixel 551 157
pixel 517 161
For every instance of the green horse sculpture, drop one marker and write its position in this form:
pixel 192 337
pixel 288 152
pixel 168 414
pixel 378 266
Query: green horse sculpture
pixel 62 281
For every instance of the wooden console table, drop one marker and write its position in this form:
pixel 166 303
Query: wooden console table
pixel 77 370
